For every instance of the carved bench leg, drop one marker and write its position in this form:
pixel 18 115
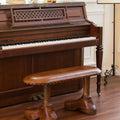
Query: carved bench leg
pixel 44 112
pixel 85 103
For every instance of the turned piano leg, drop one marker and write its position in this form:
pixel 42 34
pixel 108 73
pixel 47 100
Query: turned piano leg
pixel 85 103
pixel 99 56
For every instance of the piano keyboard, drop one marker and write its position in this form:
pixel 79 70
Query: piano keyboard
pixel 36 44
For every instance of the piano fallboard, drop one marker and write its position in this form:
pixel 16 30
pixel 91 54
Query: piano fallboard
pixel 43 34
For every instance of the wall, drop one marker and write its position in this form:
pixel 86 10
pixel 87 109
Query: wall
pixel 117 50
pixel 108 37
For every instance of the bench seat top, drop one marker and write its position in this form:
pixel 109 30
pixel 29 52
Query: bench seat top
pixel 60 75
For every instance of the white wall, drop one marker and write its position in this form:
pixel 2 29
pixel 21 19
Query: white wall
pixel 117 39
pixel 108 37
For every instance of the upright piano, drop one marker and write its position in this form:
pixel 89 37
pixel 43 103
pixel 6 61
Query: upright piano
pixel 43 37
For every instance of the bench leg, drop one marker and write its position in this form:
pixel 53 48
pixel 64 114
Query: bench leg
pixel 85 103
pixel 44 112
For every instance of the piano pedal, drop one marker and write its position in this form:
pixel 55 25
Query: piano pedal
pixel 41 96
pixel 37 97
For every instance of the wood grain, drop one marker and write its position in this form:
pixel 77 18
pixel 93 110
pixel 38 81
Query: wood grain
pixel 60 75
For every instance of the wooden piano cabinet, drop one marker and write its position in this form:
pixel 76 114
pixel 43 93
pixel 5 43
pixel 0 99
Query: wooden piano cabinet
pixel 69 21
pixel 14 69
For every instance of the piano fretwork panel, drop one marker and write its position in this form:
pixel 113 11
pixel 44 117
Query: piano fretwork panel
pixel 38 16
pixel 35 38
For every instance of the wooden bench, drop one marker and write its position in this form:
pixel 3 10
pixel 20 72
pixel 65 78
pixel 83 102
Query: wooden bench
pixel 84 104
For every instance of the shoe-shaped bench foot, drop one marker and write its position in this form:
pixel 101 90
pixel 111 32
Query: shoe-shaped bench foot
pixel 87 106
pixel 84 105
pixel 46 113
pixel 42 113
pixel 32 114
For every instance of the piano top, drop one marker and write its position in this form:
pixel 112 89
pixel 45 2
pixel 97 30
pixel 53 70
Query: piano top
pixel 69 4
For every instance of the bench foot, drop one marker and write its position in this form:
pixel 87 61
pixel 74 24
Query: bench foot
pixel 32 114
pixel 84 105
pixel 46 113
pixel 42 113
pixel 87 106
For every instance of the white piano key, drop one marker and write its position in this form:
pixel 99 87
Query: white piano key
pixel 46 43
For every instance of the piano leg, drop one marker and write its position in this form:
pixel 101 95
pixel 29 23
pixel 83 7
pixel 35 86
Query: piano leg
pixel 85 103
pixel 99 55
